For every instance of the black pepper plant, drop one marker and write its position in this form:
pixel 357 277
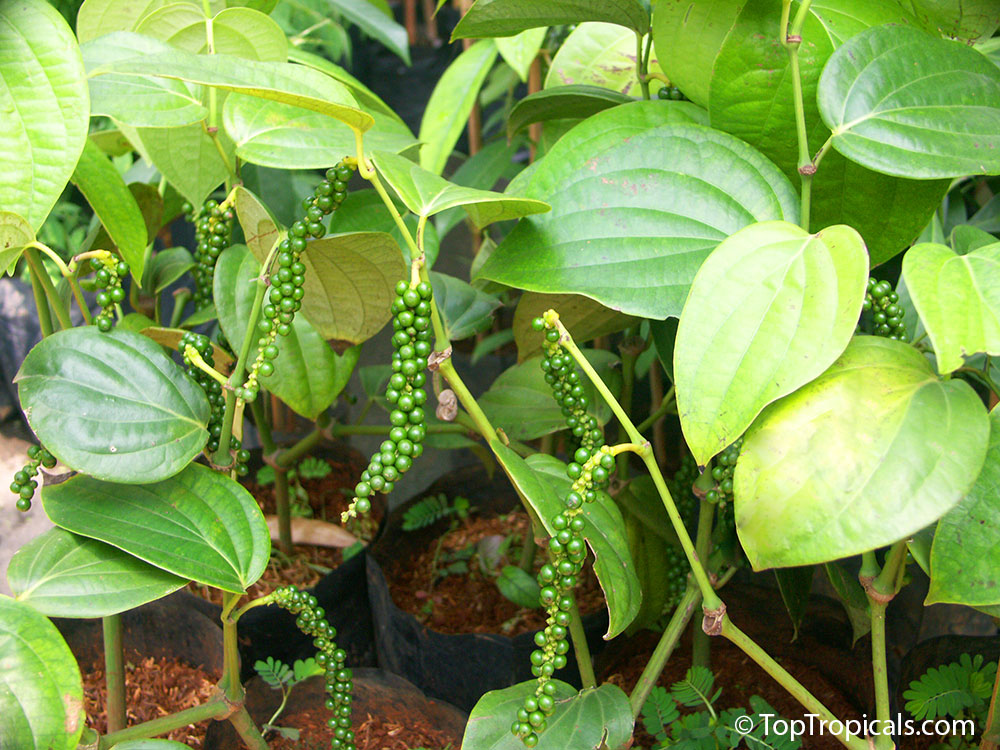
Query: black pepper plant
pixel 735 198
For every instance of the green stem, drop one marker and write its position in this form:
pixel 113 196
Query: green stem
pixel 781 675
pixel 181 297
pixel 290 456
pixel 791 40
pixel 666 407
pixel 580 649
pixel 74 285
pixel 247 730
pixel 991 732
pixel 467 400
pixel 281 706
pixel 668 642
pixel 230 650
pixel 645 452
pixel 983 377
pixel 114 671
pixel 641 64
pixel 41 305
pixel 700 643
pixel 38 269
pixel 282 506
pixel 629 355
pixel 880 592
pixel 213 709
pixel 528 552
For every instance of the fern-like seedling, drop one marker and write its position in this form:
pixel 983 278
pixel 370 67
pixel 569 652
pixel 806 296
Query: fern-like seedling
pixel 952 689
pixel 275 673
pixel 695 690
pixel 313 468
pixel 432 509
pixel 280 676
pixel 658 713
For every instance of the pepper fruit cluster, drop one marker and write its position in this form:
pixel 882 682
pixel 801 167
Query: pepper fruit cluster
pixel 213 232
pixel 590 471
pixel 721 494
pixel 881 313
pixel 109 272
pixel 25 484
pixel 284 298
pixel 405 393
pixel 193 344
pixel 310 619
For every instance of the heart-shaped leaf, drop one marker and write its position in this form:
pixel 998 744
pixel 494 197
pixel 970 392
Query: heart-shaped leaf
pixel 41 693
pixel 509 17
pixel 957 298
pixel 239 32
pixel 965 20
pixel 198 524
pixel 465 310
pixel 364 211
pixel 965 557
pixel 288 83
pixel 752 98
pixel 64 575
pixel 43 95
pixel 426 194
pixel 611 235
pixel 166 267
pixel 520 51
pixel 588 720
pixel 114 204
pixel 99 17
pixel 521 402
pixel 141 102
pixel 576 101
pixel 603 55
pixel 582 317
pixel 350 284
pixel 112 405
pixel 902 102
pixel 870 452
pixel 307 375
pixel 15 233
pixel 770 309
pixel 453 98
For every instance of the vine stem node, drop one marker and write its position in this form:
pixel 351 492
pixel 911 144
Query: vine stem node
pixel 436 358
pixel 807 169
pixel 711 623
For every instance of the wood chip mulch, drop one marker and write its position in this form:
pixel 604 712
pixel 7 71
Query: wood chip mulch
pixel 374 733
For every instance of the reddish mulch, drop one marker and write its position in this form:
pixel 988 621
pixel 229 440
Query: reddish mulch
pixel 471 603
pixel 739 678
pixel 374 733
pixel 153 688
pixel 305 568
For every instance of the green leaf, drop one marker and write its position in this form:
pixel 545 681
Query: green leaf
pixel 364 211
pixel 693 32
pixel 509 17
pixel 15 233
pixel 41 693
pixel 172 337
pixel 64 575
pixel 570 101
pixel 99 17
pixel 453 98
pixel 770 309
pixel 239 32
pixel 520 51
pixel 518 586
pixel 795 585
pixel 965 20
pixel 166 267
pixel 465 311
pixel 114 204
pixel 43 95
pixel 481 171
pixel 198 524
pixel 521 402
pixel 186 156
pixel 588 720
pixel 288 83
pixel 599 54
pixel 141 102
pixel 901 102
pixel 426 194
pixel 752 98
pixel 604 532
pixel 611 235
pixel 870 452
pixel 664 335
pixel 957 298
pixel 852 596
pixel 260 229
pixel 112 405
pixel 582 317
pixel 965 558
pixel 307 375
pixel 350 284
pixel 375 24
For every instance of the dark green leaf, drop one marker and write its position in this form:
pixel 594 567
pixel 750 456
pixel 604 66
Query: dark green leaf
pixel 795 585
pixel 901 102
pixel 770 309
pixel 198 524
pixel 850 593
pixel 965 559
pixel 364 211
pixel 509 17
pixel 611 236
pixel 575 100
pixel 43 95
pixel 114 204
pixel 112 405
pixel 166 267
pixel 518 586
pixel 375 24
pixel 965 20
pixel 867 454
pixel 465 311
pixel 64 575
pixel 41 694
pixel 481 171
